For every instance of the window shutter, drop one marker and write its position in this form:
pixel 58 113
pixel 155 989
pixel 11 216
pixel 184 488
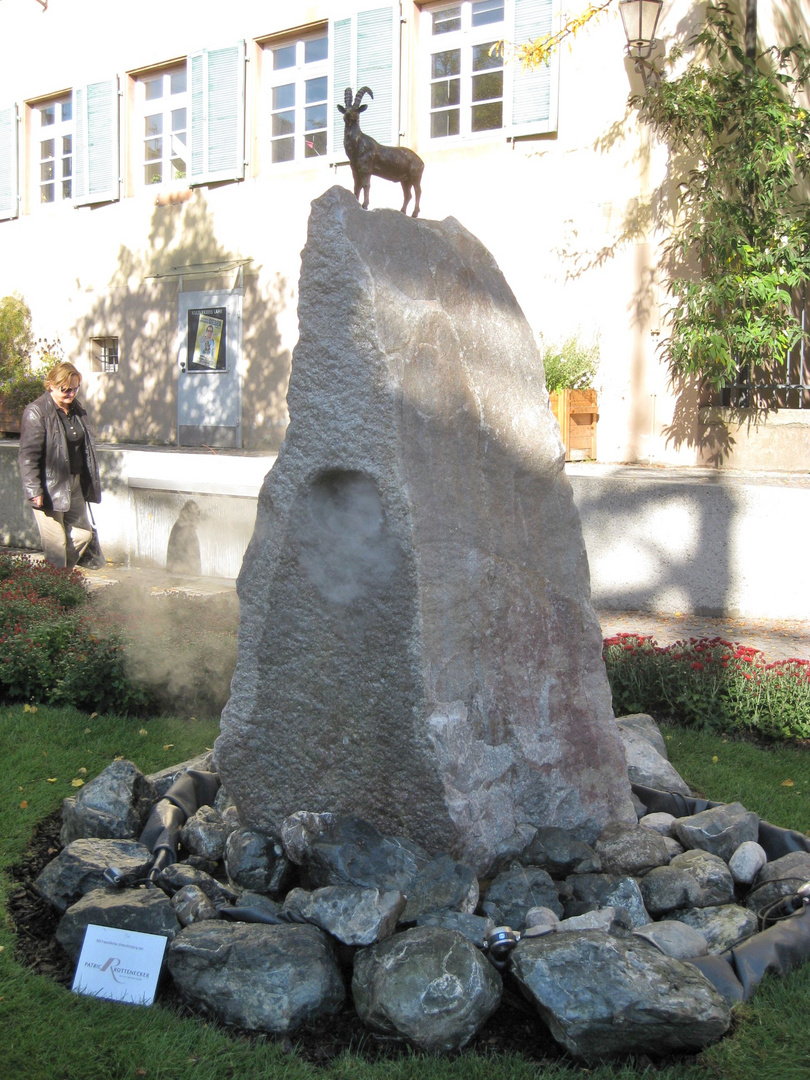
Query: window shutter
pixel 534 93
pixel 217 78
pixel 95 143
pixel 9 206
pixel 364 52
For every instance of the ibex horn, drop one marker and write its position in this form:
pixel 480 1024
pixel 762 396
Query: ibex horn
pixel 347 97
pixel 359 95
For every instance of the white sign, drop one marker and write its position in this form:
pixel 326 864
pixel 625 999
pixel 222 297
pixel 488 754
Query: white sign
pixel 122 965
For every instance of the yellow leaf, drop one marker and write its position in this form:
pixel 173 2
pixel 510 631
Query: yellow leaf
pixel 24 804
pixel 87 731
pixel 168 745
pixel 82 772
pixel 52 779
pixel 77 783
pixel 143 731
pixel 118 757
pixel 787 783
pixel 715 759
pixel 93 715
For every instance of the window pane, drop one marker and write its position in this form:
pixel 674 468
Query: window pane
pixel 444 123
pixel 47 193
pixel 67 189
pixel 482 59
pixel 445 64
pixel 178 143
pixel 178 168
pixel 46 170
pixel 283 57
pixel 46 149
pixel 179 120
pixel 315 145
pixel 47 115
pixel 67 144
pixel 154 150
pixel 153 173
pixel 178 81
pixel 283 124
pixel 487 117
pixel 67 110
pixel 445 93
pixel 153 125
pixel 487 11
pixel 487 86
pixel 283 150
pixel 448 20
pixel 316 49
pixel 315 117
pixel 67 167
pixel 316 90
pixel 284 96
pixel 154 88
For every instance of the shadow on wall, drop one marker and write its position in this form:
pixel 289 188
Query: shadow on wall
pixel 138 403
pixel 659 546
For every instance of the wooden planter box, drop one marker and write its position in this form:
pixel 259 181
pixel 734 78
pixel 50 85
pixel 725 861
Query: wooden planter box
pixel 577 413
pixel 9 420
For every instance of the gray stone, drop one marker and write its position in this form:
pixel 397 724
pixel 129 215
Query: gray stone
pixel 674 938
pixel 610 920
pixel 512 894
pixel 646 764
pixel 541 920
pixel 443 883
pixel 723 926
pixel 429 986
pixel 643 725
pixel 259 902
pixel 113 805
pixel 255 976
pixel 594 891
pixel 673 847
pixel 476 928
pixel 601 995
pixel 205 833
pixel 694 879
pixel 148 911
pixel 630 849
pixel 79 868
pixel 416 591
pixel 192 905
pixel 747 861
pixel 778 879
pixel 559 853
pixel 719 830
pixel 351 851
pixel 178 875
pixel 255 861
pixel 164 778
pixel 300 829
pixel 353 915
pixel 659 822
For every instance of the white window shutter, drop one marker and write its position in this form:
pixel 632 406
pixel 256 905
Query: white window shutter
pixel 9 191
pixel 95 143
pixel 217 79
pixel 364 52
pixel 534 93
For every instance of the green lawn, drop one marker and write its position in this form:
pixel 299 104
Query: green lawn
pixel 52 1034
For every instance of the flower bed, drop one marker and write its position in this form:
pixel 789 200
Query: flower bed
pixel 709 683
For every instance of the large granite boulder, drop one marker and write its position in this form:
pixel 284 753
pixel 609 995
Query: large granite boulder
pixel 417 645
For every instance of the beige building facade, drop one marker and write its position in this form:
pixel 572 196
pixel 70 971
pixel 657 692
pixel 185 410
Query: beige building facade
pixel 158 161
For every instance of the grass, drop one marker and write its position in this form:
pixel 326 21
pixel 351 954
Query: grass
pixel 51 1034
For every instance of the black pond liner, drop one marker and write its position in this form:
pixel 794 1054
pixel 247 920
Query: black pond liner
pixel 735 973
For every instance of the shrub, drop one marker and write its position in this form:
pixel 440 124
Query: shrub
pixel 571 365
pixel 709 683
pixel 50 652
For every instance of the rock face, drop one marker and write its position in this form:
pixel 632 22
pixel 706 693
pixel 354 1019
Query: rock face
pixel 417 645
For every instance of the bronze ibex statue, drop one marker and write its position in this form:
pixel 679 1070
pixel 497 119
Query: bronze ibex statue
pixel 368 158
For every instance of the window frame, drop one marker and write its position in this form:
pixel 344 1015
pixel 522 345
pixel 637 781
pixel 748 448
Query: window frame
pixel 9 164
pixel 101 350
pixel 141 108
pixel 530 99
pixel 40 134
pixel 298 75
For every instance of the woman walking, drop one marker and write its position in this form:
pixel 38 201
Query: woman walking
pixel 58 467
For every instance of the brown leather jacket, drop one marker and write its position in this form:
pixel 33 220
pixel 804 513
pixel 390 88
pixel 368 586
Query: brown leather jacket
pixel 44 464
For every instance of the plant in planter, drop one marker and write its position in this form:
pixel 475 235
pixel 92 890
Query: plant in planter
pixel 19 382
pixel 570 370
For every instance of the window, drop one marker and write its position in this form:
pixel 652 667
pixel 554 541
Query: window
pixel 466 76
pixel 467 89
pixel 297 98
pixel 161 125
pixel 53 123
pixel 104 354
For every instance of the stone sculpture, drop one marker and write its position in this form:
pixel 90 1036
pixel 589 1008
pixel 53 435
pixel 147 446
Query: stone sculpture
pixel 417 645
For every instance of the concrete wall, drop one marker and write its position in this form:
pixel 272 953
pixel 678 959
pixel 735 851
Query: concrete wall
pixel 665 540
